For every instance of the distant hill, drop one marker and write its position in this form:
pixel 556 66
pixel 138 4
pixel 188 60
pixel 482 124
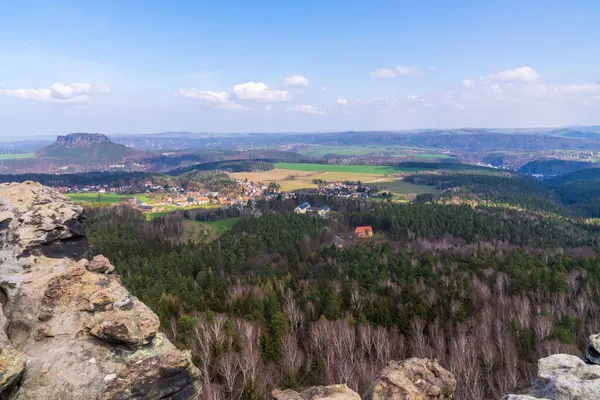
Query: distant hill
pixel 87 150
pixel 577 133
pixel 553 167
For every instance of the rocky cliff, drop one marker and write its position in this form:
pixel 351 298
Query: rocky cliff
pixel 69 329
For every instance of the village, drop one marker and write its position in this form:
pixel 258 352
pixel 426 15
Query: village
pixel 150 197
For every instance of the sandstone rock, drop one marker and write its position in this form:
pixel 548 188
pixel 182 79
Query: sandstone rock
pixel 333 392
pixel 124 328
pixel 100 264
pixel 61 314
pixel 415 379
pixel 12 361
pixel 522 397
pixel 592 353
pixel 563 376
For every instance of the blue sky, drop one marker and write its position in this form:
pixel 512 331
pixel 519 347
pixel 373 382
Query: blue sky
pixel 248 66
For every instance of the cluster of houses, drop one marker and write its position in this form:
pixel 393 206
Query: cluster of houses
pixel 305 208
pixel 348 190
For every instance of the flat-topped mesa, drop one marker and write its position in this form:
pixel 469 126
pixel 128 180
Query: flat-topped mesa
pixel 69 329
pixel 75 138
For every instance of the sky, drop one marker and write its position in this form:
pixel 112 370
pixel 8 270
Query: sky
pixel 283 66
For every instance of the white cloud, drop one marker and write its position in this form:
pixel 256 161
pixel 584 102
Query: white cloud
pixel 259 92
pixel 207 97
pixel 58 93
pixel 325 89
pixel 384 73
pixel 309 109
pixel 579 88
pixel 295 81
pixel 403 70
pixel 467 83
pixel 342 102
pixel 416 98
pixel 518 75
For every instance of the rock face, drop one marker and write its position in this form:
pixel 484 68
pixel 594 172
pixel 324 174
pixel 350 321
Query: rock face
pixel 333 392
pixel 415 379
pixel 70 330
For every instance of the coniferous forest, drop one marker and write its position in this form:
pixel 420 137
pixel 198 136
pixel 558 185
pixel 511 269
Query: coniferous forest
pixel 278 302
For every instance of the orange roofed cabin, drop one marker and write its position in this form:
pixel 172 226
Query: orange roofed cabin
pixel 363 231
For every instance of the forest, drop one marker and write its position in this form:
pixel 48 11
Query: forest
pixel 486 289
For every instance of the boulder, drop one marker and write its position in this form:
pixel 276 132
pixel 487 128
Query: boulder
pixel 563 376
pixel 415 379
pixel 333 392
pixel 592 352
pixel 100 264
pixel 84 336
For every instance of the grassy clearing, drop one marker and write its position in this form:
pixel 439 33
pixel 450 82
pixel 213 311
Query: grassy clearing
pixel 360 169
pixel 206 230
pixel 20 156
pixel 94 197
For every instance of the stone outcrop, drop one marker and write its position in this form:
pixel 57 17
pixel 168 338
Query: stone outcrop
pixel 566 377
pixel 592 352
pixel 333 392
pixel 415 379
pixel 412 379
pixel 69 329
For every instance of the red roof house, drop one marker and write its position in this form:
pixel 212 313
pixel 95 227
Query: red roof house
pixel 363 231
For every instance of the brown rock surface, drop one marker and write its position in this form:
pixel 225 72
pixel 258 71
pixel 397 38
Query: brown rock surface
pixel 83 334
pixel 333 392
pixel 414 379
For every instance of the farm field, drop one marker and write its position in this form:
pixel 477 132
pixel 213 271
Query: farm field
pixel 94 197
pixel 197 230
pixel 20 156
pixel 360 169
pixel 302 179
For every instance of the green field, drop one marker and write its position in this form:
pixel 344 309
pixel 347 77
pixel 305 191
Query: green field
pixel 394 151
pixel 20 156
pixel 353 169
pixel 206 230
pixel 93 197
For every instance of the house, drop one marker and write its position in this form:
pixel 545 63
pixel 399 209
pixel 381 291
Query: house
pixel 202 200
pixel 302 208
pixel 363 231
pixel 324 211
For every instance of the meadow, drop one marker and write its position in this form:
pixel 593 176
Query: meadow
pixel 206 230
pixel 20 156
pixel 346 168
pixel 295 176
pixel 94 197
